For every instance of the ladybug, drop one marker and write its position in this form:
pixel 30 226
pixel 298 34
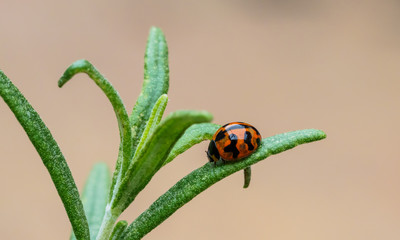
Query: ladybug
pixel 233 141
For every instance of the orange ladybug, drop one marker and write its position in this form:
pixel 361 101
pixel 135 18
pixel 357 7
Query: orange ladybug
pixel 233 141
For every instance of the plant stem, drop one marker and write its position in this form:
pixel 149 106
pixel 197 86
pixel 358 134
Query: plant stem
pixel 107 224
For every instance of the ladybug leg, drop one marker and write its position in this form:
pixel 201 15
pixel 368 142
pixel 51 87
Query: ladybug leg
pixel 220 162
pixel 247 177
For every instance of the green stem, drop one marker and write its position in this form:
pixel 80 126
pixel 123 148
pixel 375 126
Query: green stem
pixel 107 224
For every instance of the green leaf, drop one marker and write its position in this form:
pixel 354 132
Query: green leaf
pixel 126 146
pixel 154 120
pixel 83 66
pixel 95 196
pixel 192 136
pixel 50 154
pixel 202 178
pixel 155 83
pixel 154 153
pixel 118 230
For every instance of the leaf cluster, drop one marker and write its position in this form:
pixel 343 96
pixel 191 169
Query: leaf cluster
pixel 147 143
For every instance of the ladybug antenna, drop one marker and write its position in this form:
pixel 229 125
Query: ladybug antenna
pixel 207 153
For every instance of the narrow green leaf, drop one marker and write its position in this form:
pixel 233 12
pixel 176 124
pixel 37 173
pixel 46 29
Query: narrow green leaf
pixel 118 230
pixel 117 175
pixel 95 197
pixel 155 83
pixel 192 136
pixel 126 146
pixel 154 153
pixel 202 178
pixel 50 153
pixel 83 66
pixel 154 120
pixel 152 123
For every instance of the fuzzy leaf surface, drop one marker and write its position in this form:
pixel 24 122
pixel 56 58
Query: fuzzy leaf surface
pixel 50 154
pixel 155 83
pixel 192 136
pixel 154 120
pixel 119 228
pixel 154 152
pixel 202 178
pixel 126 146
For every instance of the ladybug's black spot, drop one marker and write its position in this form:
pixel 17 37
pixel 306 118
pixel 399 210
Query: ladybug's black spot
pixel 220 135
pixel 232 146
pixel 212 151
pixel 247 140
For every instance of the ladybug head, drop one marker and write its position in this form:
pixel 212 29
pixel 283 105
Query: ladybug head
pixel 212 153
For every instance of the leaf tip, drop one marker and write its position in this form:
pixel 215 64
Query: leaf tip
pixel 163 97
pixel 320 134
pixel 208 116
pixel 156 30
pixel 101 166
pixel 157 34
pixel 76 67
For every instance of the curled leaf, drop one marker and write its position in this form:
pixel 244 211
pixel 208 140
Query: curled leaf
pixel 83 66
pixel 126 146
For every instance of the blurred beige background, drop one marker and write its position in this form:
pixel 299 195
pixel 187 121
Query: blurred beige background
pixel 280 65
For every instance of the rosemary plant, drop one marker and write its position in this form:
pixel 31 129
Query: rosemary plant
pixel 148 142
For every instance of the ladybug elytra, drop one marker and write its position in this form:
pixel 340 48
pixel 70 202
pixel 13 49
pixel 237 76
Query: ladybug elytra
pixel 233 141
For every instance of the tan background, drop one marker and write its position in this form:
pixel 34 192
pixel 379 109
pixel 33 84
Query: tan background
pixel 280 65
